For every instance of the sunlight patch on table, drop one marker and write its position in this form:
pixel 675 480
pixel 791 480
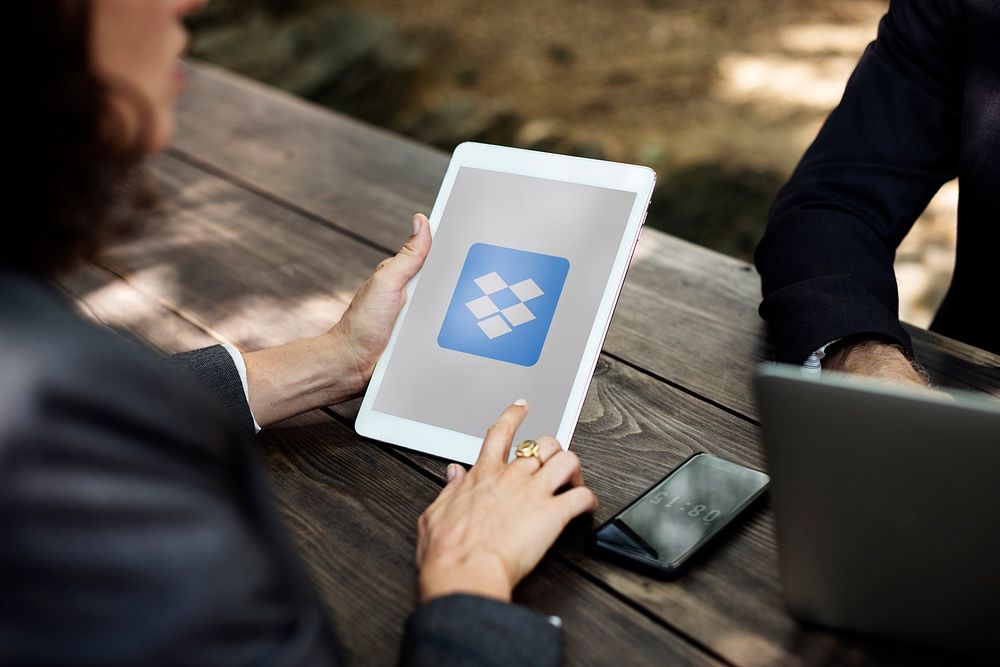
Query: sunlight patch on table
pixel 256 320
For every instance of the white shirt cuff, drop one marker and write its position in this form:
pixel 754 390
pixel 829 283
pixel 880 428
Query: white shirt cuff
pixel 813 364
pixel 242 368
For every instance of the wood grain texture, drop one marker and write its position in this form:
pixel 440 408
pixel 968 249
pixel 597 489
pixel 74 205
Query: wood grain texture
pixel 631 432
pixel 118 305
pixel 354 517
pixel 360 178
pixel 349 517
pixel 955 364
pixel 633 428
pixel 686 314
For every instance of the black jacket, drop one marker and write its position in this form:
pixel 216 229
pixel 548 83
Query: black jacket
pixel 136 528
pixel 922 107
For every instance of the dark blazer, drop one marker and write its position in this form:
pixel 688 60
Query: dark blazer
pixel 136 528
pixel 922 107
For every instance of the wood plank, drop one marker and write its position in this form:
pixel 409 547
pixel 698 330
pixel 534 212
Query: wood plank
pixel 355 541
pixel 690 316
pixel 344 509
pixel 631 432
pixel 633 428
pixel 686 314
pixel 116 304
pixel 334 504
pixel 956 364
pixel 357 176
pixel 182 261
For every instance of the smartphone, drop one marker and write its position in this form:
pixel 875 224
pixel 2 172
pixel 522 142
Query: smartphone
pixel 662 530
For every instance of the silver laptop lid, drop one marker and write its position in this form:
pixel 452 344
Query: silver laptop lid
pixel 887 503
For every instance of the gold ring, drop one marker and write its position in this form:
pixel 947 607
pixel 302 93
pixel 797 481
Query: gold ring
pixel 527 450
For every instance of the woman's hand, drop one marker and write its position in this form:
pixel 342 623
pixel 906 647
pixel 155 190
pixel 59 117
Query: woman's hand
pixel 491 525
pixel 368 321
pixel 313 372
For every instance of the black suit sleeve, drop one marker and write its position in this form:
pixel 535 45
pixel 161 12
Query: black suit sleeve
pixel 826 260
pixel 469 631
pixel 213 369
pixel 136 528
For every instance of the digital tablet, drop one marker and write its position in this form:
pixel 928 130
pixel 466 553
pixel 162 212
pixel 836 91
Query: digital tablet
pixel 529 255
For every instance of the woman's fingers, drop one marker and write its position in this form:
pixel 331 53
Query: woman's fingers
pixel 563 468
pixel 547 448
pixel 501 434
pixel 422 536
pixel 576 501
pixel 477 537
pixel 455 473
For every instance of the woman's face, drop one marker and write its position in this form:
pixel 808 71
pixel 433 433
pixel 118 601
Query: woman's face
pixel 136 46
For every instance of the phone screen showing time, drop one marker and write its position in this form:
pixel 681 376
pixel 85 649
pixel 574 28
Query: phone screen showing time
pixel 683 510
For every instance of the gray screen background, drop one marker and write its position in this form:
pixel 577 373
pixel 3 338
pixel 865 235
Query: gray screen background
pixel 466 393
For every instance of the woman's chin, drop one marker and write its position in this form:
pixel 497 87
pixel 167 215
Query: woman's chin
pixel 161 134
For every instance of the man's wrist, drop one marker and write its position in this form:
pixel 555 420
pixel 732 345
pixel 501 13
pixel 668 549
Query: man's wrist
pixel 872 358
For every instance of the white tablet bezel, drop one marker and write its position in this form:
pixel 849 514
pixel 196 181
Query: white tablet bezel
pixel 632 178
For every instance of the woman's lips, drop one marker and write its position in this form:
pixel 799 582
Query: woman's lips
pixel 180 73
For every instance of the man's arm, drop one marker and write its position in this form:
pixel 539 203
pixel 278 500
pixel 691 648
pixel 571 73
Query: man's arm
pixel 875 359
pixel 826 260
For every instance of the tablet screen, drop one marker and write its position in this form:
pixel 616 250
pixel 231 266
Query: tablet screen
pixel 505 302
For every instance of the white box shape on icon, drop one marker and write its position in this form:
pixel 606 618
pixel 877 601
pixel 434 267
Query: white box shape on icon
pixel 518 314
pixel 526 290
pixel 482 307
pixel 490 283
pixel 494 326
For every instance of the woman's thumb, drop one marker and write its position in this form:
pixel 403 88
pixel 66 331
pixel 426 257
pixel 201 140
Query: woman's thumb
pixel 411 256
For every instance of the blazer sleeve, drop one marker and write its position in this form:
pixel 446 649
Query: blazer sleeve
pixel 213 369
pixel 137 529
pixel 826 259
pixel 470 631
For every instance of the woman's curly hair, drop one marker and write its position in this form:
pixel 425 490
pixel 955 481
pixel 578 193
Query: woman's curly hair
pixel 72 190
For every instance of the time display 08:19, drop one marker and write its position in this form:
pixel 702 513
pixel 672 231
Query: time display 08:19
pixel 693 512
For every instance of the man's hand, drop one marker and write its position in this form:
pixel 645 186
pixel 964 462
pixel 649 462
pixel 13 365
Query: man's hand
pixel 874 359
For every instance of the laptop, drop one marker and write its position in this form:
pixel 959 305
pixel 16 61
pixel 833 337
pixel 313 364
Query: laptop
pixel 887 501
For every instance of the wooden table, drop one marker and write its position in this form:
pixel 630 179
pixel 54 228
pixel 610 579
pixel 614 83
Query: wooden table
pixel 279 209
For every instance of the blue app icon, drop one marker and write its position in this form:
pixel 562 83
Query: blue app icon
pixel 503 304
